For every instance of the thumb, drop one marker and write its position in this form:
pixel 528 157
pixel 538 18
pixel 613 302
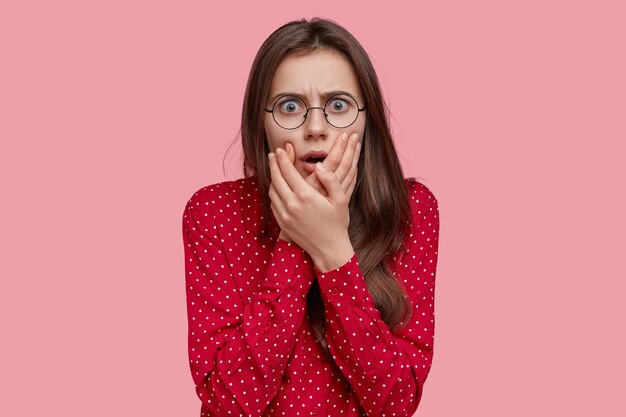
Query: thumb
pixel 329 180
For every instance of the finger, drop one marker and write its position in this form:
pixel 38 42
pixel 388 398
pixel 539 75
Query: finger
pixel 330 181
pixel 348 158
pixel 345 183
pixel 333 159
pixel 276 216
pixel 277 204
pixel 278 181
pixel 291 152
pixel 278 210
pixel 290 174
pixel 315 183
pixel 351 187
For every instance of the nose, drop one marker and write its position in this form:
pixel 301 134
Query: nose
pixel 315 125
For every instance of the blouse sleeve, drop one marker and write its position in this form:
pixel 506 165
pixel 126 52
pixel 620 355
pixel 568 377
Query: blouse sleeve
pixel 386 369
pixel 238 350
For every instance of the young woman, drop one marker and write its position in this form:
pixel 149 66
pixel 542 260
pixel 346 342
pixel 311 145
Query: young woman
pixel 310 282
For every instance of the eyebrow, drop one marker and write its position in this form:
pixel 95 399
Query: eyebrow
pixel 325 95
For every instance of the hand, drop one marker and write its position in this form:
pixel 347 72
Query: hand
pixel 343 156
pixel 339 159
pixel 317 223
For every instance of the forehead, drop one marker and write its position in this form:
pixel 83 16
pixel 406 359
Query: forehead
pixel 314 74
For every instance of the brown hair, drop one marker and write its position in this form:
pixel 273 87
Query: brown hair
pixel 379 207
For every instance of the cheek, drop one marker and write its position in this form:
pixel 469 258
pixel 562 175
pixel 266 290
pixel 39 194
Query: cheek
pixel 275 135
pixel 359 128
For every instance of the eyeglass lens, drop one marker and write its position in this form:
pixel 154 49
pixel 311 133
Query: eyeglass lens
pixel 340 111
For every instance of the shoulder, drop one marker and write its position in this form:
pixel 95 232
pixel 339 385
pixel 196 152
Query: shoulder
pixel 423 204
pixel 423 225
pixel 420 196
pixel 223 193
pixel 223 197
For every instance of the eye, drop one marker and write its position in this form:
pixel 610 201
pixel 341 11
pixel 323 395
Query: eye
pixel 290 105
pixel 338 104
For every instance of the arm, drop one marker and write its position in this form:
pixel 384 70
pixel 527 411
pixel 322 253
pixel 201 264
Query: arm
pixel 386 370
pixel 238 352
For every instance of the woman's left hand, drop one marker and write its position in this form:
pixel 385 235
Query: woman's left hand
pixel 316 223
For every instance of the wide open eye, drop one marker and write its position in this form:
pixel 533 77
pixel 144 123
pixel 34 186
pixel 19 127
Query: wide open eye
pixel 339 104
pixel 290 105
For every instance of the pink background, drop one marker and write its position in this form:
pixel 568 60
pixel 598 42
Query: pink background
pixel 112 113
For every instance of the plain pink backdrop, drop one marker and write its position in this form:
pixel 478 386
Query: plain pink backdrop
pixel 112 113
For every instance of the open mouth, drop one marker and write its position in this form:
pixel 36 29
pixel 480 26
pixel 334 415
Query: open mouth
pixel 314 160
pixel 309 163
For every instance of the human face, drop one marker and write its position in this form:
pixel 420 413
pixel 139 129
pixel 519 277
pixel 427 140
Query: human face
pixel 313 77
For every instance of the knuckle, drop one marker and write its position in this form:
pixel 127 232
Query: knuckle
pixel 303 196
pixel 291 207
pixel 288 205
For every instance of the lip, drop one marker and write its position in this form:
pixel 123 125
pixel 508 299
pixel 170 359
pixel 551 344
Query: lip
pixel 314 154
pixel 309 167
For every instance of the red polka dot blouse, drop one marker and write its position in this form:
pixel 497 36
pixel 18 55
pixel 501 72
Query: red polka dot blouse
pixel 252 351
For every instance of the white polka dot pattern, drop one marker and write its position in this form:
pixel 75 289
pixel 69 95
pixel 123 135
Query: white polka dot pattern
pixel 252 351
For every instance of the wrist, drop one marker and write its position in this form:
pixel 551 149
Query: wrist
pixel 330 258
pixel 282 235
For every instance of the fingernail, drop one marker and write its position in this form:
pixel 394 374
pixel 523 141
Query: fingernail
pixel 358 146
pixel 279 151
pixel 355 137
pixel 270 155
pixel 344 137
pixel 320 167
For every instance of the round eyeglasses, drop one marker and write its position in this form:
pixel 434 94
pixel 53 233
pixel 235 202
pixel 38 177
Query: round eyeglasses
pixel 340 111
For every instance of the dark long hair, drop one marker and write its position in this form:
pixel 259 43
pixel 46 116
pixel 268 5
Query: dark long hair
pixel 379 207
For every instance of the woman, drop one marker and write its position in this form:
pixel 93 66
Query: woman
pixel 310 282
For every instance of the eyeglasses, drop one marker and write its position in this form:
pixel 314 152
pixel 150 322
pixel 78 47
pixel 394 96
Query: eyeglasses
pixel 340 111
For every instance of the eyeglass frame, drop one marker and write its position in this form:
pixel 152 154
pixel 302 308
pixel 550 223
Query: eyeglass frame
pixel 306 114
